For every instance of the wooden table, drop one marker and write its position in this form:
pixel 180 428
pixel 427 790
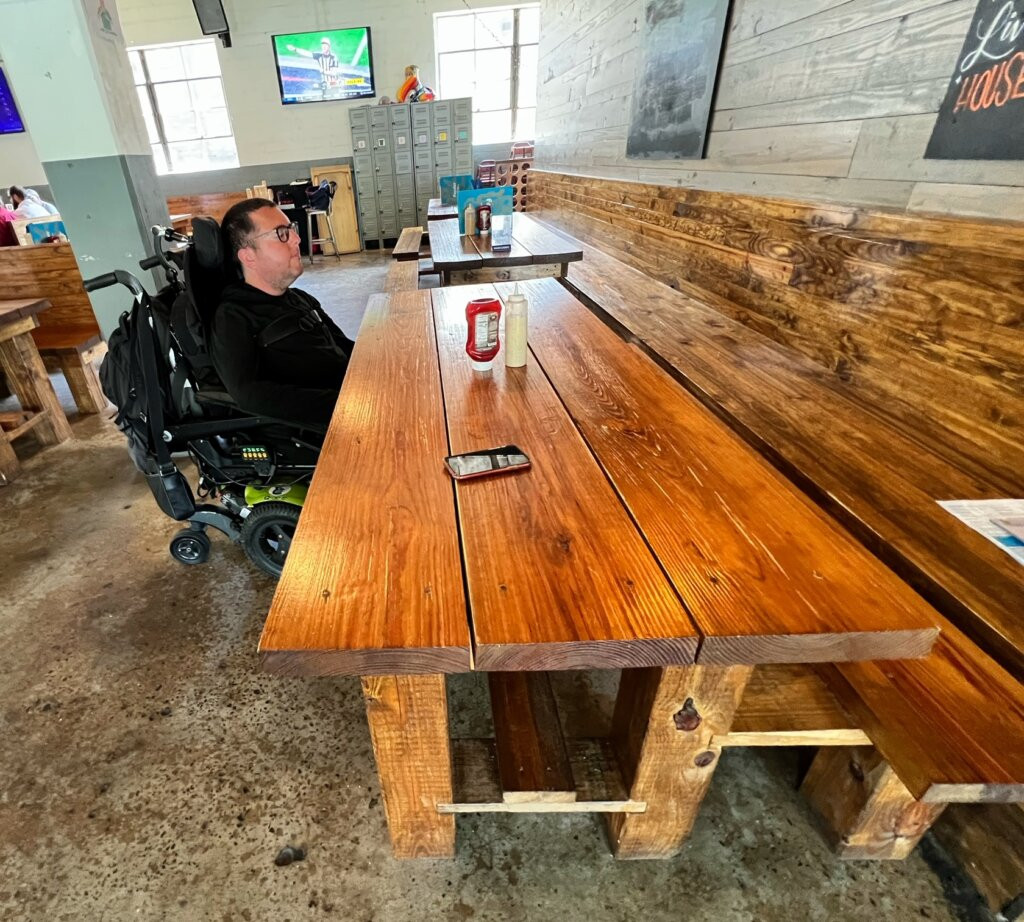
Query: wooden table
pixel 40 409
pixel 646 536
pixel 536 252
pixel 438 212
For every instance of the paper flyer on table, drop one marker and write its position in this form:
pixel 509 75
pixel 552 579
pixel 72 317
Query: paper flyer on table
pixel 999 520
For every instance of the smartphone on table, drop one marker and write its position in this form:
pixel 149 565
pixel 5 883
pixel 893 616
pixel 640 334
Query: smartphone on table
pixel 503 460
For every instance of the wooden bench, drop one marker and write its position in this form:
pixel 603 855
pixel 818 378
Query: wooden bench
pixel 409 243
pixel 68 333
pixel 876 359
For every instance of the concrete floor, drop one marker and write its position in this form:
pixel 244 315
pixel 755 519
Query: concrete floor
pixel 150 771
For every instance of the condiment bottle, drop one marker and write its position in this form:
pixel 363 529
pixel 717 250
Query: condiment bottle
pixel 483 218
pixel 516 329
pixel 482 315
pixel 470 219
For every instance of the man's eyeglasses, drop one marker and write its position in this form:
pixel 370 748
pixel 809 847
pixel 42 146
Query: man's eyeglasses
pixel 284 232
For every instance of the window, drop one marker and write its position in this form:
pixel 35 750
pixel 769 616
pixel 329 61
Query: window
pixel 491 56
pixel 182 101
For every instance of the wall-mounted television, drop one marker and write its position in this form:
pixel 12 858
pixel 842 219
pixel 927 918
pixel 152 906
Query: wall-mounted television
pixel 325 65
pixel 10 120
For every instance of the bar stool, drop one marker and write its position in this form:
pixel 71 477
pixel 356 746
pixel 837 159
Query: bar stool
pixel 326 214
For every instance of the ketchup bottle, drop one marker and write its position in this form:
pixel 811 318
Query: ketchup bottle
pixel 482 315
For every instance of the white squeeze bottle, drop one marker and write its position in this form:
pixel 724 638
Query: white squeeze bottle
pixel 470 220
pixel 515 329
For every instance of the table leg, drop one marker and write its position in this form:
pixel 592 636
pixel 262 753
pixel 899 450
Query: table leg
pixel 27 377
pixel 84 383
pixel 9 464
pixel 408 717
pixel 663 733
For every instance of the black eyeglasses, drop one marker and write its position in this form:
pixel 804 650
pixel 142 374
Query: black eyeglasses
pixel 284 232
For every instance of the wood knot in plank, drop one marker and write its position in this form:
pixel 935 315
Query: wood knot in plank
pixel 687 717
pixel 704 759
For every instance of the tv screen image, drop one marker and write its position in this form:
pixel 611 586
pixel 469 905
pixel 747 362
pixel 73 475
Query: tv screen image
pixel 10 120
pixel 324 65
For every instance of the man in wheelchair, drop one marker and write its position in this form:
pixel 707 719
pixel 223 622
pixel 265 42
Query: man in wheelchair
pixel 276 351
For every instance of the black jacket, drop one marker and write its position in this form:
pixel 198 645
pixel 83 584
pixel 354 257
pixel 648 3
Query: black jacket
pixel 279 355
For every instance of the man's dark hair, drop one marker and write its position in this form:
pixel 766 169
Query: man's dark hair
pixel 16 192
pixel 237 224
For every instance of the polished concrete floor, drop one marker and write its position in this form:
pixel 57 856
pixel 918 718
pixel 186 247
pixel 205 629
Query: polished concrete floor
pixel 150 771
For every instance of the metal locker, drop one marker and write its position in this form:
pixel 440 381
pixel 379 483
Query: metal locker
pixel 363 164
pixel 361 141
pixel 399 115
pixel 401 141
pixel 420 112
pixel 443 158
pixel 404 185
pixel 379 117
pixel 442 114
pixel 462 110
pixel 425 182
pixel 383 163
pixel 424 159
pixel 403 162
pixel 359 118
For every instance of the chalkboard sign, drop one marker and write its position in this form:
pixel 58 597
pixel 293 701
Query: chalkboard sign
pixel 982 116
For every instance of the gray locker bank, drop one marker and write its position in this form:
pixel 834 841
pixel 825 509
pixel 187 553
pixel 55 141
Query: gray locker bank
pixel 400 151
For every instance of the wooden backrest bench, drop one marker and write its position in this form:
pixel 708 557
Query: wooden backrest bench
pixel 68 332
pixel 877 360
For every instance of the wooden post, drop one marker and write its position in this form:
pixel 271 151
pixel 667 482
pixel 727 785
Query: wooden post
pixel 83 381
pixel 663 733
pixel 28 379
pixel 866 809
pixel 9 464
pixel 408 717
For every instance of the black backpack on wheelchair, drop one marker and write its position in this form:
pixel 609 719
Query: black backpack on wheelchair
pixel 171 405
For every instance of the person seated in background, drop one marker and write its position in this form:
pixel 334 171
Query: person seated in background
pixel 8 238
pixel 28 204
pixel 274 347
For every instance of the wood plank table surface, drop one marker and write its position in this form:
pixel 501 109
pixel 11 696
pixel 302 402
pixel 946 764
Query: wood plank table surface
pixel 645 536
pixel 536 252
pixel 438 212
pixel 22 365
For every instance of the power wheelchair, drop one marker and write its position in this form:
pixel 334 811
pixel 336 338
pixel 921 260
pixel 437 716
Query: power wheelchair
pixel 253 471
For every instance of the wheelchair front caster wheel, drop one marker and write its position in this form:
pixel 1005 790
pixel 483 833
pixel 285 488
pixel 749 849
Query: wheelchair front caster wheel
pixel 190 547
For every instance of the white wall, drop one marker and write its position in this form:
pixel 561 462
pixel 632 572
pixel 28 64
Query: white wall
pixel 817 99
pixel 266 131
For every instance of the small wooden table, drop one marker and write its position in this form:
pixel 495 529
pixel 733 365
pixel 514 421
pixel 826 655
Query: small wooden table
pixel 40 409
pixel 536 252
pixel 646 536
pixel 438 212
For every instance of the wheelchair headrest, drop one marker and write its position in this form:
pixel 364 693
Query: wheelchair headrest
pixel 208 243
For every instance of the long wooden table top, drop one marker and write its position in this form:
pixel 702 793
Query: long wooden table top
pixel 645 532
pixel 438 212
pixel 532 244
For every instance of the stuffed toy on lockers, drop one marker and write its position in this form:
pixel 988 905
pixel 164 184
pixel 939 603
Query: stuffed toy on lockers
pixel 414 90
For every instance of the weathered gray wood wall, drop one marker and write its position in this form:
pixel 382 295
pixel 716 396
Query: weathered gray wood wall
pixel 817 99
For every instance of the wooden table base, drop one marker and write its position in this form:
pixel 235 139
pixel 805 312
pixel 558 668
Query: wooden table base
pixel 648 778
pixel 27 377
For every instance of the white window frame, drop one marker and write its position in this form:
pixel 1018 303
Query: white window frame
pixel 150 86
pixel 514 49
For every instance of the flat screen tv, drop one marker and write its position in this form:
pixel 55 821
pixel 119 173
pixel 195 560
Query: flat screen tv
pixel 10 120
pixel 325 65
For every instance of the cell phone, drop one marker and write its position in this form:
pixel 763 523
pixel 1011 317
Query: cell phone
pixel 501 460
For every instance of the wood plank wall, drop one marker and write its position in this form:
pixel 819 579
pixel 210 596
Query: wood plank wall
pixel 830 100
pixel 921 316
pixel 214 204
pixel 47 270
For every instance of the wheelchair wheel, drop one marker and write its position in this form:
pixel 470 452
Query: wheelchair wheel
pixel 190 547
pixel 267 535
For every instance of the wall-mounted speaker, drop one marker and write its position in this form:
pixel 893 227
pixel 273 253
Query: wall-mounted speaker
pixel 211 16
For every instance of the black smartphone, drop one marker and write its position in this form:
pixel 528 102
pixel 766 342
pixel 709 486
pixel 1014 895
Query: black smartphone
pixel 501 460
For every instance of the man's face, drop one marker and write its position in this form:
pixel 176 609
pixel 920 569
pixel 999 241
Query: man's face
pixel 267 258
